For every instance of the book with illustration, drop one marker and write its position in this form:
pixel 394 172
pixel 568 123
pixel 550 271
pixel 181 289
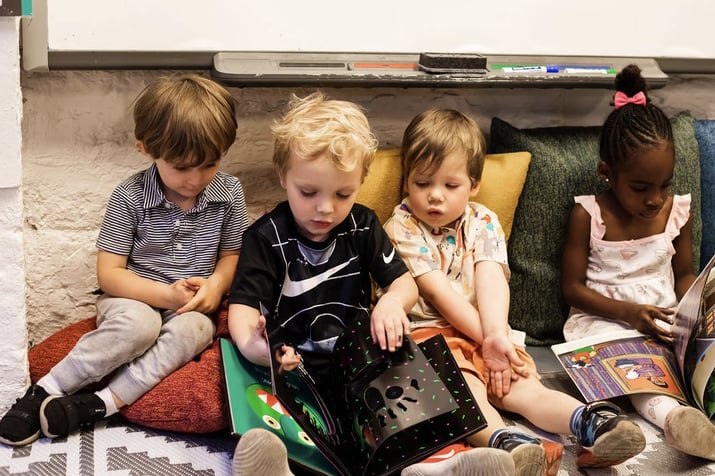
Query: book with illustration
pixel 626 362
pixel 252 404
pixel 379 412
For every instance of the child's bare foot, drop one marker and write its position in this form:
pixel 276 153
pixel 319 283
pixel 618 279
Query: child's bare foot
pixel 690 431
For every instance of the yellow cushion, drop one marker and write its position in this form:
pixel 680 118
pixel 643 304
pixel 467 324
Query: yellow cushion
pixel 382 188
pixel 502 181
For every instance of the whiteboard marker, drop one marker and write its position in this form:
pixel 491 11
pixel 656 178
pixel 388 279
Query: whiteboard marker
pixel 525 69
pixel 585 71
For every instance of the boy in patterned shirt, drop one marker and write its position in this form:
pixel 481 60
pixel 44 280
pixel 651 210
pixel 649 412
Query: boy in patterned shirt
pixel 456 251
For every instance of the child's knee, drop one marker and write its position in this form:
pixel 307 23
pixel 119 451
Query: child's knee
pixel 134 321
pixel 193 327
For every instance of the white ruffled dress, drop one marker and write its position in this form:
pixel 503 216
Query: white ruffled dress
pixel 637 271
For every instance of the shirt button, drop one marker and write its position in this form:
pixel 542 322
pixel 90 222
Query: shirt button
pixel 167 205
pixel 177 223
pixel 179 247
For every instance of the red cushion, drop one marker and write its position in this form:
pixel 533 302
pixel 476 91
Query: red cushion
pixel 190 400
pixel 47 353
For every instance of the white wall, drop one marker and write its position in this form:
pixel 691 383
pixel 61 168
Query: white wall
pixel 13 358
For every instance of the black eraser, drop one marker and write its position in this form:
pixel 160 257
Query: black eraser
pixel 453 62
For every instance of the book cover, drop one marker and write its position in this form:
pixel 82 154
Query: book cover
pixel 252 404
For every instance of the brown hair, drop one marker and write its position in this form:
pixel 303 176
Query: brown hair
pixel 186 120
pixel 435 133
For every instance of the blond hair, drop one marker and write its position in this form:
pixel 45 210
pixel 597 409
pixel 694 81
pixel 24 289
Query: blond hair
pixel 434 134
pixel 315 126
pixel 186 120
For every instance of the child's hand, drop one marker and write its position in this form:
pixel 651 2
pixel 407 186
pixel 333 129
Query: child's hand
pixel 206 298
pixel 181 293
pixel 389 323
pixel 645 318
pixel 499 355
pixel 288 358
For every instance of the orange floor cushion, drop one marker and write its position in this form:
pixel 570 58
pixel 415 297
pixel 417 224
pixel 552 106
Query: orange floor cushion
pixel 190 400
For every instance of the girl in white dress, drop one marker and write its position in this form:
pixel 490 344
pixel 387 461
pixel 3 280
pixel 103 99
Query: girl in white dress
pixel 628 253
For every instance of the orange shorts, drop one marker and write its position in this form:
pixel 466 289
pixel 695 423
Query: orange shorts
pixel 466 353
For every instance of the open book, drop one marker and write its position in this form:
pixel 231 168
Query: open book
pixel 626 362
pixel 378 413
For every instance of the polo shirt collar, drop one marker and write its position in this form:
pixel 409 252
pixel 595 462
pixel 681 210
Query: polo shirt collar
pixel 216 191
pixel 153 195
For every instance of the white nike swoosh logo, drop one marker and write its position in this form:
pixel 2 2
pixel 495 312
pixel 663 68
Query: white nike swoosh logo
pixel 296 288
pixel 389 257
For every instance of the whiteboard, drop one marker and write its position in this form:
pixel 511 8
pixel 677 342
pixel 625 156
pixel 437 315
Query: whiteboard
pixel 656 29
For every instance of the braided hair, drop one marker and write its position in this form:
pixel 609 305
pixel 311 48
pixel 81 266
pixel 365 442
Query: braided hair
pixel 632 127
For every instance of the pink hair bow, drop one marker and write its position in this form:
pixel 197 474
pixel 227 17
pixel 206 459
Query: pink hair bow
pixel 620 99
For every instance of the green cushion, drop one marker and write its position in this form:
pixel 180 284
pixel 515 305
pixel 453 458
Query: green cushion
pixel 563 165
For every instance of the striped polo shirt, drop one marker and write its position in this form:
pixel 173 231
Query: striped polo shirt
pixel 160 241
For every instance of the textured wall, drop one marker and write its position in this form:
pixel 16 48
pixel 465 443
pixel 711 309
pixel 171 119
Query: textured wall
pixel 13 359
pixel 78 144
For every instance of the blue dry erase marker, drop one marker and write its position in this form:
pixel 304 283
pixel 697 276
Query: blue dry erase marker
pixel 562 67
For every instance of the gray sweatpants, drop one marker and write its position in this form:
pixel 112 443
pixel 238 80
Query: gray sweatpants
pixel 143 344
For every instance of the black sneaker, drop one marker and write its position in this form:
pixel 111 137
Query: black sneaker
pixel 607 437
pixel 21 424
pixel 59 416
pixel 527 452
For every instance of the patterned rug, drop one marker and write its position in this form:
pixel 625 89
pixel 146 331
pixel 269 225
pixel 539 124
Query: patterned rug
pixel 115 447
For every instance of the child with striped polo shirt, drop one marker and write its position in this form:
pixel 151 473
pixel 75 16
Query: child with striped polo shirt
pixel 167 251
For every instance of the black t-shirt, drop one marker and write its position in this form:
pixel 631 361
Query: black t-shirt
pixel 313 289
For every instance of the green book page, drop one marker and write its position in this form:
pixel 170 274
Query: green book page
pixel 253 405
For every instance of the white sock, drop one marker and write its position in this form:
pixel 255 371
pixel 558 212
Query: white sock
pixel 108 398
pixel 653 407
pixel 50 385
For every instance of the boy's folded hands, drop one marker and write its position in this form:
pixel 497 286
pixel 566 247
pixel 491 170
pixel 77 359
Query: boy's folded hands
pixel 205 295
